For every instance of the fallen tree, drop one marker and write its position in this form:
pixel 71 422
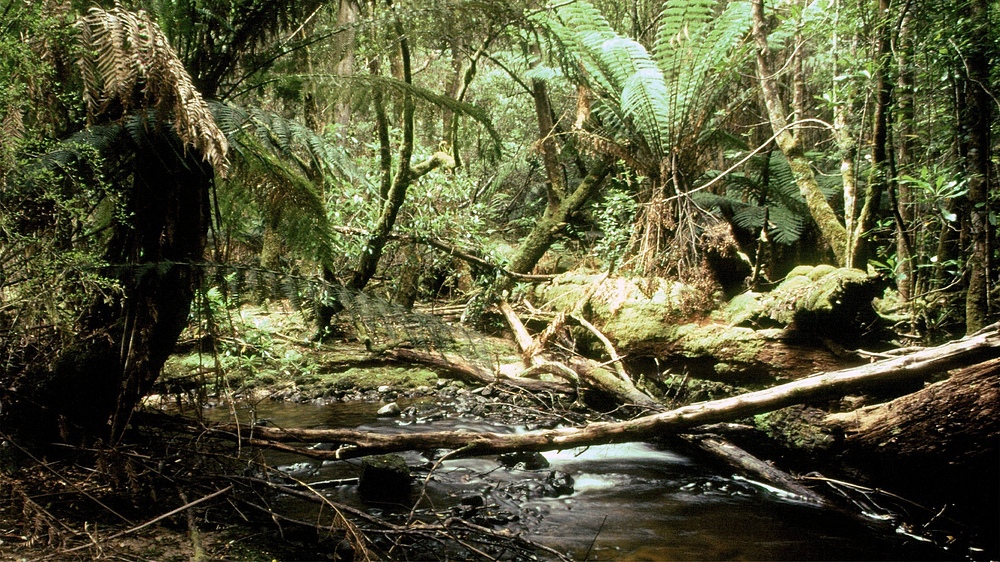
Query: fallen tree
pixel 939 443
pixel 799 327
pixel 982 346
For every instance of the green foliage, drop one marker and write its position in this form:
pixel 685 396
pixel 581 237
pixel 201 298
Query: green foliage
pixel 614 216
pixel 748 200
pixel 655 102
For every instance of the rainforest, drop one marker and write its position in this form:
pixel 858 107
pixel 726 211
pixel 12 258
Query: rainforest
pixel 484 280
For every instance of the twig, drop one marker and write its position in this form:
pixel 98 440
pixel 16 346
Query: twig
pixel 593 542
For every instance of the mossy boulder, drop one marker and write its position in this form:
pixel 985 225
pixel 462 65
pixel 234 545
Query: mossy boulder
pixel 384 479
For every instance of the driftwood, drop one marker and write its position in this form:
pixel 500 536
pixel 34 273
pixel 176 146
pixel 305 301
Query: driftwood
pixel 982 346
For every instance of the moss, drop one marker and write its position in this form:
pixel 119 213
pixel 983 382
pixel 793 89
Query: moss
pixel 735 344
pixel 629 311
pixel 370 377
pixel 821 299
pixel 796 426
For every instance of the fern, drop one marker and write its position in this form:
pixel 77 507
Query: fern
pixel 127 63
pixel 786 211
pixel 657 101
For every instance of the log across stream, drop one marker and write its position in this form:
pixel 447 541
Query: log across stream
pixel 628 501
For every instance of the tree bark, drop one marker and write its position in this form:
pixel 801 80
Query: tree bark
pixel 939 444
pixel 978 121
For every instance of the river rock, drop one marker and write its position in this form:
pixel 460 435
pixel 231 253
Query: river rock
pixel 390 410
pixel 384 479
pixel 523 460
pixel 559 484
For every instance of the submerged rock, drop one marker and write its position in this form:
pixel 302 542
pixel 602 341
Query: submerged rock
pixel 559 484
pixel 523 460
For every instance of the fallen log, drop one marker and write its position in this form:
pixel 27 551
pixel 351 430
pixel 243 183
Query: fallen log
pixel 756 338
pixel 979 347
pixel 940 444
pixel 472 373
pixel 745 462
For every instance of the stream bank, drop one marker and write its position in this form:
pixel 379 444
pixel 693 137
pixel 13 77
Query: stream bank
pixel 337 381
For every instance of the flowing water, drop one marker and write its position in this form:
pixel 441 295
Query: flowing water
pixel 628 502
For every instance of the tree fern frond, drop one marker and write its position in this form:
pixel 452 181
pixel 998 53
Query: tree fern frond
pixel 293 203
pixel 127 63
pixel 679 20
pixel 312 154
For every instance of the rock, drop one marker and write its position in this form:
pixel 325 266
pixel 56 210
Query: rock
pixel 384 479
pixel 299 469
pixel 384 388
pixel 559 484
pixel 523 460
pixel 474 501
pixel 390 410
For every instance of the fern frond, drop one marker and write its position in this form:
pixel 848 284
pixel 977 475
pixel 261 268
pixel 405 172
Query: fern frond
pixel 287 197
pixel 127 63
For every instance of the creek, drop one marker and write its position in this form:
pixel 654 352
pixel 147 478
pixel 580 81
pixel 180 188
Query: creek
pixel 634 501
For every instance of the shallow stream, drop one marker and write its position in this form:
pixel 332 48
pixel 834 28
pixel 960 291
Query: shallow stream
pixel 628 502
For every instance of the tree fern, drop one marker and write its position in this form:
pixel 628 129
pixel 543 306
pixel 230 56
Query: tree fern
pixel 127 63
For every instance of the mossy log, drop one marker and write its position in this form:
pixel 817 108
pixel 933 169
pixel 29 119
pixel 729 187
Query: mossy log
pixel 784 334
pixel 821 301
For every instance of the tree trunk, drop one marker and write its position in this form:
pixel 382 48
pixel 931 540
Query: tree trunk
pixel 789 141
pixel 978 120
pixel 906 281
pixel 344 45
pixel 857 252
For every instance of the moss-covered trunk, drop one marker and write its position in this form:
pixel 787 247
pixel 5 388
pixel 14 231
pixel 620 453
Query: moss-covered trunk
pixel 787 137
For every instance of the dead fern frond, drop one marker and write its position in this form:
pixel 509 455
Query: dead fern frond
pixel 127 63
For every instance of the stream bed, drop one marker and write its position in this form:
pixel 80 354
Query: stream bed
pixel 613 502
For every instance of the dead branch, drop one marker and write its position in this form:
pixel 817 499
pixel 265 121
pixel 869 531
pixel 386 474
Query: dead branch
pixel 475 374
pixel 592 372
pixel 358 443
pixel 744 461
pixel 609 347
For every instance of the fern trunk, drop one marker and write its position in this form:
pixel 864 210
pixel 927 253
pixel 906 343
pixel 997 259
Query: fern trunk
pixel 122 343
